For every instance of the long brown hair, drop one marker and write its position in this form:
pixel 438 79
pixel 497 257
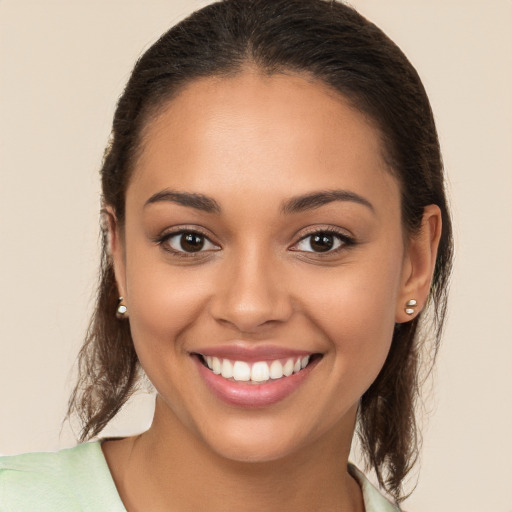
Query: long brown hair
pixel 332 43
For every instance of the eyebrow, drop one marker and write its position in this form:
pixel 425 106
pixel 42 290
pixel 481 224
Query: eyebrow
pixel 296 204
pixel 191 200
pixel 317 199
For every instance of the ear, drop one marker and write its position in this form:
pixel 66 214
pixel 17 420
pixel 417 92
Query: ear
pixel 419 264
pixel 116 248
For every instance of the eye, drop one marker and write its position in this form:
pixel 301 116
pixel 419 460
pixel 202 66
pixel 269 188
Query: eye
pixel 323 242
pixel 187 242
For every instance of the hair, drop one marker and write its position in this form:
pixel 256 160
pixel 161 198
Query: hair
pixel 333 44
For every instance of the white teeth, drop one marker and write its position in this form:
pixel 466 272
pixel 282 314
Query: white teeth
pixel 260 372
pixel 257 372
pixel 241 371
pixel 276 370
pixel 216 366
pixel 227 369
pixel 288 368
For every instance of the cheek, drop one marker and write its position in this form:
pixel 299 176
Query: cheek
pixel 165 304
pixel 355 309
pixel 163 301
pixel 360 296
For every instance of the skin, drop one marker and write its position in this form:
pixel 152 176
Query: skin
pixel 252 142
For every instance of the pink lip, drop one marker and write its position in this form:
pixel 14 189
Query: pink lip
pixel 243 394
pixel 252 354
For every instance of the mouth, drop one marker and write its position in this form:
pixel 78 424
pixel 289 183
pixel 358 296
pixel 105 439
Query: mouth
pixel 254 376
pixel 257 372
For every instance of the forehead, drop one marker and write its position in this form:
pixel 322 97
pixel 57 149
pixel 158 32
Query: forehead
pixel 256 132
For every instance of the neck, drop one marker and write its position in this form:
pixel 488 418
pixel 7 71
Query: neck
pixel 168 468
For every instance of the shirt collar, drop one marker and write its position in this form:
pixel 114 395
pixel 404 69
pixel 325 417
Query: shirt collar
pixel 373 499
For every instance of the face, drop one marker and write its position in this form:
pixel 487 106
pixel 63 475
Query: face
pixel 262 240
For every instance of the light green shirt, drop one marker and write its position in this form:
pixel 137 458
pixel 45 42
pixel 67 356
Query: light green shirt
pixel 79 480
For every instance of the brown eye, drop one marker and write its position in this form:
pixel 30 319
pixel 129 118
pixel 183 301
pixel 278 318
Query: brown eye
pixel 187 242
pixel 191 242
pixel 322 242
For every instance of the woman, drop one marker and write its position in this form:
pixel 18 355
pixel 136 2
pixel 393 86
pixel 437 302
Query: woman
pixel 276 232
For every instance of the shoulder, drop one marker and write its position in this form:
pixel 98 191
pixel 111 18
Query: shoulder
pixel 76 479
pixel 374 501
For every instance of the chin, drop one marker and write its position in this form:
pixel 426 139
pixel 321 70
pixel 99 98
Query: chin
pixel 259 440
pixel 254 450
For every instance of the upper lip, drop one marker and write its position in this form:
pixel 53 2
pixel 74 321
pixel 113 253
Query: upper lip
pixel 252 353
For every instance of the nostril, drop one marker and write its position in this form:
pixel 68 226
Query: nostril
pixel 248 319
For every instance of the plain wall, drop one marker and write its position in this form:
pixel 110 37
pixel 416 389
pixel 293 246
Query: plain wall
pixel 63 64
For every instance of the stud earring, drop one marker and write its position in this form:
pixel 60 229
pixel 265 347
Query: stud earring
pixel 122 310
pixel 409 307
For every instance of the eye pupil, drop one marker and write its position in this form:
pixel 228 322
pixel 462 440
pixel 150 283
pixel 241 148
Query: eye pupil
pixel 322 242
pixel 191 242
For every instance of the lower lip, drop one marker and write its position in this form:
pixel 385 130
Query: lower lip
pixel 243 394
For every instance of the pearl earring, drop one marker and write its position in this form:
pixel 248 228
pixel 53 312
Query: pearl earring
pixel 409 307
pixel 122 310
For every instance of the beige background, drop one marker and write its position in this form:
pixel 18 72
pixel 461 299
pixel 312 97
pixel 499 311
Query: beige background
pixel 63 64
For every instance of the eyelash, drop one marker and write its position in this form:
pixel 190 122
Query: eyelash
pixel 344 239
pixel 180 232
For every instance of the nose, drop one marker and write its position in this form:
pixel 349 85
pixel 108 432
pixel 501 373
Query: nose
pixel 251 293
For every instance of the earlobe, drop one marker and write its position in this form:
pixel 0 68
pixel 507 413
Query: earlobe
pixel 419 265
pixel 115 247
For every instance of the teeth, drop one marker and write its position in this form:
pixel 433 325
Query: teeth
pixel 276 370
pixel 258 372
pixel 226 369
pixel 241 371
pixel 288 368
pixel 216 366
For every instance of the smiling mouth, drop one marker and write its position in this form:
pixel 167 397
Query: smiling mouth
pixel 258 372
